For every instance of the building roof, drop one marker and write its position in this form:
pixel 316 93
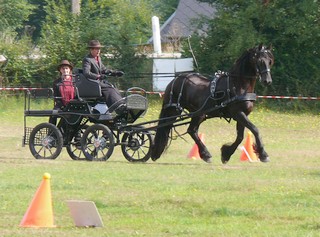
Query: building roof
pixel 181 23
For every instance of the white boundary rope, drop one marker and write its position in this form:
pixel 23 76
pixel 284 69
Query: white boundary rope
pixel 288 97
pixel 161 94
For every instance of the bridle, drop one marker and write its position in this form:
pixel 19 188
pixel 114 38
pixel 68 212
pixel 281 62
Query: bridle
pixel 255 61
pixel 258 58
pixel 259 71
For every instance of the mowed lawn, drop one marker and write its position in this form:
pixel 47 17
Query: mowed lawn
pixel 175 196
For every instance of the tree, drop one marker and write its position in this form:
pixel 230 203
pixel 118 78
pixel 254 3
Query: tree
pixel 14 39
pixel 128 27
pixel 57 34
pixel 13 14
pixel 37 18
pixel 60 39
pixel 291 26
pixel 164 8
pixel 118 24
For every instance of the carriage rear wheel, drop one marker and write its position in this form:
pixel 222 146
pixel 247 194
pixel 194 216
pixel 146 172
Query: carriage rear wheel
pixel 97 143
pixel 136 146
pixel 74 147
pixel 45 141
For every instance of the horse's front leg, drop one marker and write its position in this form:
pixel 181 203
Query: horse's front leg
pixel 228 149
pixel 259 148
pixel 193 132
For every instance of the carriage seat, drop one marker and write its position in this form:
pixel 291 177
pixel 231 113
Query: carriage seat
pixel 87 88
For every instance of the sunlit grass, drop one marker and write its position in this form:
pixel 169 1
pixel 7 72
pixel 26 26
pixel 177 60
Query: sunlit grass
pixel 175 196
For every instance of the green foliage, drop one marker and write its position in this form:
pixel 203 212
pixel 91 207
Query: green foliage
pixel 14 42
pixel 13 14
pixel 21 66
pixel 119 25
pixel 61 39
pixel 164 8
pixel 128 27
pixel 292 27
pixel 37 18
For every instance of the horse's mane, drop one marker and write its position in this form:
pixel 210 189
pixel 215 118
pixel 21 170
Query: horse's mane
pixel 239 67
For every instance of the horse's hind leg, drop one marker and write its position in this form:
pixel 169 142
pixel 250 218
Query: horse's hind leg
pixel 193 132
pixel 228 149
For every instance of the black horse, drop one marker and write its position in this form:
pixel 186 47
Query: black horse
pixel 228 95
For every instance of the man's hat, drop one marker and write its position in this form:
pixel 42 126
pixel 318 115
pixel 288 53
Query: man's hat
pixel 94 44
pixel 65 63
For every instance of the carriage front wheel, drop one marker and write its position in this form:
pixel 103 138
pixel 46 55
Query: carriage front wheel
pixel 97 143
pixel 136 145
pixel 45 141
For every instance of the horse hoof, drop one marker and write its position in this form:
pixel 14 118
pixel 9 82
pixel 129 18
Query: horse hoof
pixel 154 158
pixel 225 153
pixel 224 161
pixel 208 160
pixel 265 160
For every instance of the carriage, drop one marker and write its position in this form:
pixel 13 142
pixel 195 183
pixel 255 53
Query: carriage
pixel 189 96
pixel 86 127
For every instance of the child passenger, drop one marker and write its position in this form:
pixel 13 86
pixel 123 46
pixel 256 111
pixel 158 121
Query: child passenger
pixel 63 89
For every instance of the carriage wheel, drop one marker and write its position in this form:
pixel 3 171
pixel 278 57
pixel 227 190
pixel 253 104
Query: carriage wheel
pixel 45 141
pixel 74 147
pixel 136 146
pixel 97 143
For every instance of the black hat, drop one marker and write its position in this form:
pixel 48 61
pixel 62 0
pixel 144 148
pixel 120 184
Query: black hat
pixel 94 44
pixel 65 63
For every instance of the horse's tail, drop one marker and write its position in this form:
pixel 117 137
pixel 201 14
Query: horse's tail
pixel 163 131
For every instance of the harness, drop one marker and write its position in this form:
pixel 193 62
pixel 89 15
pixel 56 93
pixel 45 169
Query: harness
pixel 177 105
pixel 223 98
pixel 215 95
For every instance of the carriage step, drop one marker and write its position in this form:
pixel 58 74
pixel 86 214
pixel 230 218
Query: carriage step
pixel 40 112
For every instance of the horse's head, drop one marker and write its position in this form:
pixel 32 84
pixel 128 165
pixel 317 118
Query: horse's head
pixel 263 60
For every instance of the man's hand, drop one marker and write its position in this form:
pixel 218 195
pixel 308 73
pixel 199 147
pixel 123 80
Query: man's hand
pixel 114 73
pixel 118 73
pixel 103 76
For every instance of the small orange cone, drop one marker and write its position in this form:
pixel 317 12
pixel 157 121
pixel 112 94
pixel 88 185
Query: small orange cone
pixel 248 153
pixel 40 212
pixel 194 152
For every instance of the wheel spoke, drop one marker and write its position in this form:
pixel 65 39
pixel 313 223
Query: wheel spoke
pixel 98 142
pixel 136 146
pixel 45 141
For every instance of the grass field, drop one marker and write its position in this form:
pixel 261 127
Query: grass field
pixel 174 196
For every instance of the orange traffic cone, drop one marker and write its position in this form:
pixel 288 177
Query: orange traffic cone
pixel 194 152
pixel 40 212
pixel 247 150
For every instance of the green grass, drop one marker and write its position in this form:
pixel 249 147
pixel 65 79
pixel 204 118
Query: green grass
pixel 174 196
